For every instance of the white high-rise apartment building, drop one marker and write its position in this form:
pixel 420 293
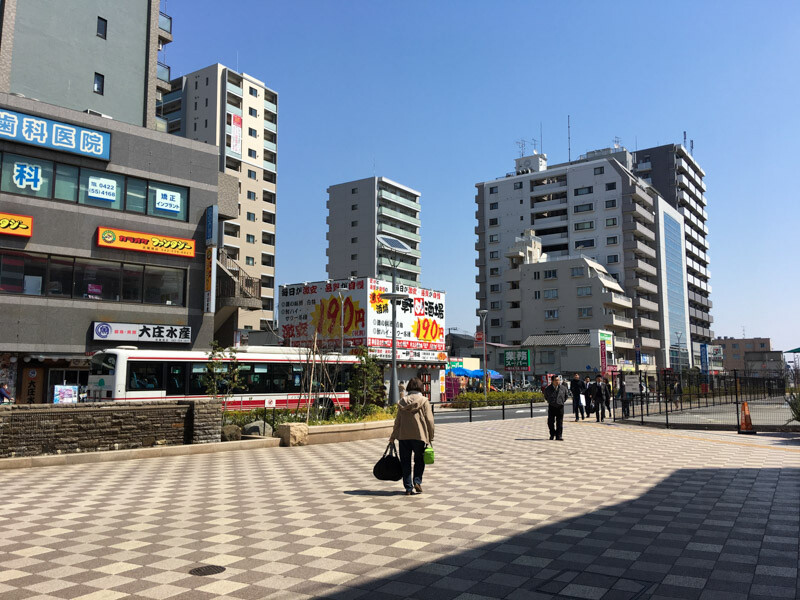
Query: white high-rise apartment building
pixel 598 209
pixel 239 114
pixel 360 210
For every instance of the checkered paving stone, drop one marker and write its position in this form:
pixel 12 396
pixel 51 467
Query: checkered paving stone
pixel 613 512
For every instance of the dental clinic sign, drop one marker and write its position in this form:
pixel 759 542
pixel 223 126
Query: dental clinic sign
pixel 54 135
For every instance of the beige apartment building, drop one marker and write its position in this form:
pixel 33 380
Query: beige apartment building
pixel 734 350
pixel 239 114
pixel 563 295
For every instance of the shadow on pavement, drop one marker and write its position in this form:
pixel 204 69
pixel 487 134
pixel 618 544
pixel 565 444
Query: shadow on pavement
pixel 717 533
pixel 375 492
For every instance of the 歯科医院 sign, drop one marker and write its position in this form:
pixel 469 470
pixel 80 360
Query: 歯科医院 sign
pixel 54 135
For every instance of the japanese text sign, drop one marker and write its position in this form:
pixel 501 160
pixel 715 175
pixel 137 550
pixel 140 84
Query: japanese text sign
pixel 142 332
pixel 44 133
pixel 144 242
pixel 16 224
pixel 101 188
pixel 517 360
pixel 167 200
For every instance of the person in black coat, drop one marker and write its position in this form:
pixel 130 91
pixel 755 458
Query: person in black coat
pixel 600 396
pixel 556 395
pixel 577 388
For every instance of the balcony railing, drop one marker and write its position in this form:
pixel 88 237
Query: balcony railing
pixel 163 72
pixel 165 22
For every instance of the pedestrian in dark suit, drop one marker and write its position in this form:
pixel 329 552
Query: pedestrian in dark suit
pixel 556 395
pixel 577 389
pixel 600 395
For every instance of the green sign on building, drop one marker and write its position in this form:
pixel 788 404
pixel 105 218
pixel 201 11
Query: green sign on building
pixel 517 360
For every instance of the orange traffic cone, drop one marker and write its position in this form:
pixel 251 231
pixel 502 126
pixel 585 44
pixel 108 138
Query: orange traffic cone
pixel 745 424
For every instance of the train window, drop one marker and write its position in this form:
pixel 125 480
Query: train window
pixel 103 364
pixel 145 376
pixel 176 379
pixel 197 386
pixel 259 379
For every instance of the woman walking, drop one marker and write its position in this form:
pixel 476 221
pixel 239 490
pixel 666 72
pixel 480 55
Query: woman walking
pixel 413 426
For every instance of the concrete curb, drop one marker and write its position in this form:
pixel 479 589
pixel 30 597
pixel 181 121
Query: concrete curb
pixel 50 460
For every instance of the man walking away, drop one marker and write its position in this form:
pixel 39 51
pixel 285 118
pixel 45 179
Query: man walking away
pixel 556 395
pixel 577 389
pixel 623 396
pixel 600 396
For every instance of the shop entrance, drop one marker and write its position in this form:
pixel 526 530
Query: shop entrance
pixel 61 380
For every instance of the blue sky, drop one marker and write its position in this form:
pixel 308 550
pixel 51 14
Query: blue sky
pixel 435 94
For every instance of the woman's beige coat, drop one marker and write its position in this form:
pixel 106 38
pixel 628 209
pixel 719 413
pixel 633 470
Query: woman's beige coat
pixel 414 420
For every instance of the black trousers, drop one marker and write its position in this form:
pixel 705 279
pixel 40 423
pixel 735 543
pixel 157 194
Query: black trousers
pixel 407 447
pixel 576 407
pixel 555 419
pixel 600 410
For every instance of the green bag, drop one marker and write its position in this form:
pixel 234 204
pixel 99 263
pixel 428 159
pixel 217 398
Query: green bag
pixel 428 456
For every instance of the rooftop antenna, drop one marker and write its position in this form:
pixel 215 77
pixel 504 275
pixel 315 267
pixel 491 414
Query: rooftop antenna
pixel 691 147
pixel 744 335
pixel 541 139
pixel 616 141
pixel 522 145
pixel 535 143
pixel 569 142
pixel 684 139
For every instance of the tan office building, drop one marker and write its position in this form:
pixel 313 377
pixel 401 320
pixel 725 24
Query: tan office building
pixel 239 114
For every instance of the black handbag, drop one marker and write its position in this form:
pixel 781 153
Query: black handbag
pixel 388 468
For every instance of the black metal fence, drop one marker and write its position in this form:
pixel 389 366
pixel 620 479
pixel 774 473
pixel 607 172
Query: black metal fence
pixel 481 410
pixel 697 401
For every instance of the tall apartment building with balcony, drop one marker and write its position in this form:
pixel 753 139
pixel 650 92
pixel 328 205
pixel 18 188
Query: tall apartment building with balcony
pixel 677 176
pixel 239 114
pixel 595 208
pixel 94 56
pixel 360 210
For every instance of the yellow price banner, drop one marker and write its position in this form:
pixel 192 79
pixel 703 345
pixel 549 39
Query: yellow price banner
pixel 427 330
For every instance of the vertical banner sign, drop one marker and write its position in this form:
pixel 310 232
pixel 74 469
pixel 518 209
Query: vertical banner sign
pixel 603 359
pixel 212 225
pixel 210 298
pixel 704 357
pixel 32 389
pixel 236 134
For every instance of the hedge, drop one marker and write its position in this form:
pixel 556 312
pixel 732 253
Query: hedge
pixel 477 399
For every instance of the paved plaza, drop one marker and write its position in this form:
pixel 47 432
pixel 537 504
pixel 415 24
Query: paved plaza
pixel 613 512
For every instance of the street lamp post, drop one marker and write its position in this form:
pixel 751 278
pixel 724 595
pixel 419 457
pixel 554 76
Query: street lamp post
pixel 483 312
pixel 680 355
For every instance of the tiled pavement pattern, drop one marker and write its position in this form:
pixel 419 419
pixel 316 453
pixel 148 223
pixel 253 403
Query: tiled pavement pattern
pixel 612 512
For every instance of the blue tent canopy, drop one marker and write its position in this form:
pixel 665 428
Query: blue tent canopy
pixel 492 374
pixel 459 372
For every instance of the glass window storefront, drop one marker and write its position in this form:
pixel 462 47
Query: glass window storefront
pixel 679 340
pixel 27 176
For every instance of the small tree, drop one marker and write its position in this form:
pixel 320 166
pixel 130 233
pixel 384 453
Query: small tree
pixel 794 407
pixel 366 383
pixel 222 376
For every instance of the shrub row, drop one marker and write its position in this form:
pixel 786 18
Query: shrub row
pixel 476 399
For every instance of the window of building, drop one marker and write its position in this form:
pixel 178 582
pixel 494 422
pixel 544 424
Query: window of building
pixel 495 323
pixel 494 238
pixel 354 257
pixel 494 288
pixel 615 276
pixel 251 174
pixel 537 295
pixel 252 132
pixel 550 274
pixel 100 188
pixel 252 153
pixel 494 254
pixel 584 225
pixel 582 191
pixel 584 290
pixel 251 216
pixel 551 314
pixel 579 208
pixel 599 170
pixel 99 83
pixel 102 27
pixel 494 222
pixel 254 92
pixel 206 80
pixel 251 195
pixel 612 259
pixel 760 346
pixel 611 203
pixel 493 189
pixel 737 356
pixel 611 222
pixel 612 240
pixel 354 207
pixel 578 271
pixel 748 346
pixel 27 176
pixel 585 312
pixel 251 239
pixel 249 261
pixel 354 190
pixel 514 285
pixel 494 205
pixel 163 285
pixel 354 240
pixel 536 275
pixel 494 271
pixel 612 185
pixel 206 124
pixel 495 305
pixel 164 200
pixel 497 339
pixel 518 185
pixel 584 244
pixel 551 294
pixel 734 346
pixel 252 111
